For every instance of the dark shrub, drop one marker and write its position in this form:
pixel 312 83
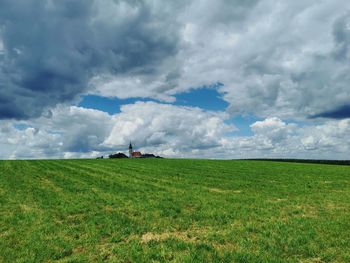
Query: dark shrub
pixel 118 155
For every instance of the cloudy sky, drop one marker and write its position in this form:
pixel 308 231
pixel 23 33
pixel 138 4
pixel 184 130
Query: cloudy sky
pixel 200 78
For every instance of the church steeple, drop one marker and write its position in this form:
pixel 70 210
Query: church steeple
pixel 130 150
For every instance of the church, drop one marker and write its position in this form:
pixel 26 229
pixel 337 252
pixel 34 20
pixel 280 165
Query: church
pixel 133 154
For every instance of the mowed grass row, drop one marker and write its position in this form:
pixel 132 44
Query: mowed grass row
pixel 173 210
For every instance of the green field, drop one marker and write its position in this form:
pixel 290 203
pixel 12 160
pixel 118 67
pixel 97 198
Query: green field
pixel 164 210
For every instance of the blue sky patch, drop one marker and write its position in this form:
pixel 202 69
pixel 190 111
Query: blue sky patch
pixel 242 123
pixel 206 98
pixel 109 105
pixel 21 126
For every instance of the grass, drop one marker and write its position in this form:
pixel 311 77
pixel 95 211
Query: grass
pixel 164 210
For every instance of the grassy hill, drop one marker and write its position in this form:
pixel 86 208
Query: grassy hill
pixel 180 210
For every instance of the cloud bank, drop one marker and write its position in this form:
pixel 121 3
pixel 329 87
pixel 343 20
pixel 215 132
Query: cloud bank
pixel 168 130
pixel 76 131
pixel 275 59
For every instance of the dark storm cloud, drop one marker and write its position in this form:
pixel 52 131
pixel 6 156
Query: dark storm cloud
pixel 51 49
pixel 338 113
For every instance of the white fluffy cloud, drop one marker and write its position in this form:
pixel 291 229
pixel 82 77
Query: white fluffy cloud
pixel 168 130
pixel 68 130
pixel 285 59
pixel 274 138
pixel 78 132
pixel 165 127
pixel 27 143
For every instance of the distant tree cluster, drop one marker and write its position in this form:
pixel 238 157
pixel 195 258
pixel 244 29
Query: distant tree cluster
pixel 335 162
pixel 117 155
pixel 149 155
pixel 122 155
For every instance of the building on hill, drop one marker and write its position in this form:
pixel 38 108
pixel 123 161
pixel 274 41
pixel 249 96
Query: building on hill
pixel 138 154
pixel 133 154
pixel 130 150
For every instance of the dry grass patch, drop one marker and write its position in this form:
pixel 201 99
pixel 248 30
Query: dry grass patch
pixel 312 260
pixel 79 250
pixel 27 208
pixel 49 184
pixel 217 190
pixel 278 200
pixel 226 247
pixel 223 191
pixel 184 236
pixel 109 208
pixel 336 206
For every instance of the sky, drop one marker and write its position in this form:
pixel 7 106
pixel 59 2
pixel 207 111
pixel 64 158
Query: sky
pixel 187 79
